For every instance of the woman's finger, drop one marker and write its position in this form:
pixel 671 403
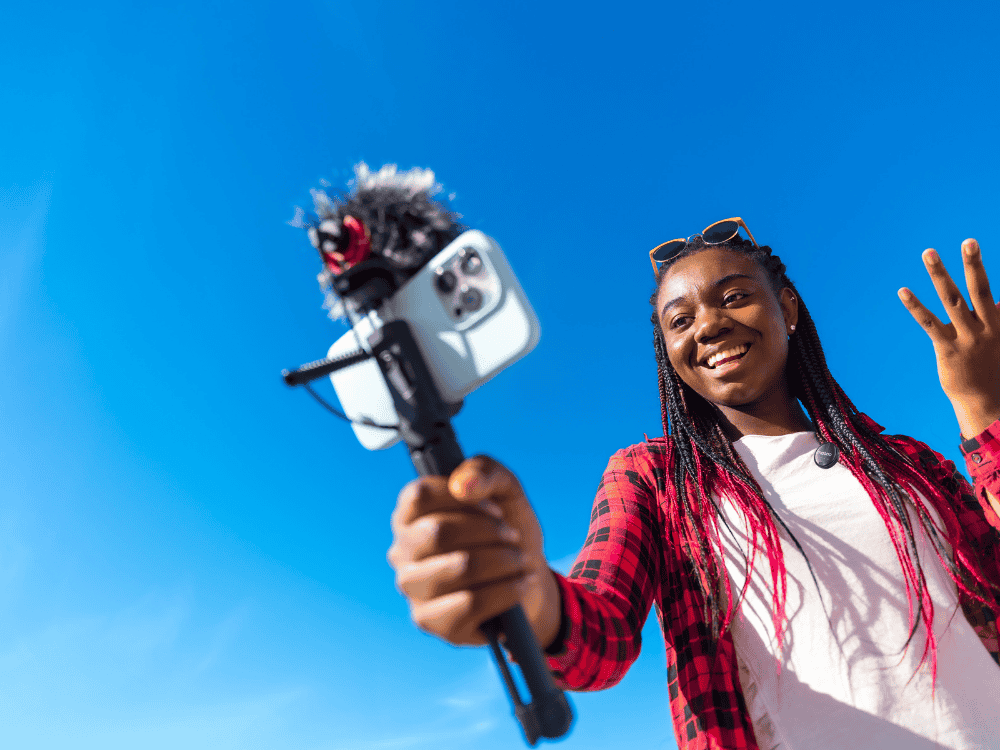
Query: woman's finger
pixel 481 477
pixel 441 533
pixel 927 320
pixel 948 291
pixel 466 569
pixel 457 617
pixel 430 495
pixel 978 284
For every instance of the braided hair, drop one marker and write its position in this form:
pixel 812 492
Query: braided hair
pixel 705 463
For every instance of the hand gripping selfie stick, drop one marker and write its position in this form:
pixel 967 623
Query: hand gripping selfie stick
pixel 425 426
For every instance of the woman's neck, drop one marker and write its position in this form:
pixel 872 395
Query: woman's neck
pixel 779 414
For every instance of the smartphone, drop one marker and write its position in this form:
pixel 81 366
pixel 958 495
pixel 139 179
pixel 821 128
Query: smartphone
pixel 470 318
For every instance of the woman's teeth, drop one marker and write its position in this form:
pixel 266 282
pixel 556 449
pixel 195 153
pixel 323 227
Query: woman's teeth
pixel 718 357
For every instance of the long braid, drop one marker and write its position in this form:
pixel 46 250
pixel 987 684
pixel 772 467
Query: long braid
pixel 705 462
pixel 693 449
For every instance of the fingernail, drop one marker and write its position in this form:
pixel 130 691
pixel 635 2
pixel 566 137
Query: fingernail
pixel 509 534
pixel 492 508
pixel 904 294
pixel 932 256
pixel 971 247
pixel 464 485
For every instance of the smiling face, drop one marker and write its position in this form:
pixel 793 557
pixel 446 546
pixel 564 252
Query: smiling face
pixel 726 333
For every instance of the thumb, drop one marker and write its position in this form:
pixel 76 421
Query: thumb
pixel 483 478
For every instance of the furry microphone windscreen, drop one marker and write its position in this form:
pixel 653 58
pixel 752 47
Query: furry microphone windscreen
pixel 401 218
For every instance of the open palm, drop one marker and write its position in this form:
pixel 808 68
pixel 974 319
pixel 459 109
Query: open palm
pixel 968 347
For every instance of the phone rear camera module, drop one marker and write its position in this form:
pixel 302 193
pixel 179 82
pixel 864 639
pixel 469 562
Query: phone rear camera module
pixel 446 281
pixel 471 299
pixel 471 262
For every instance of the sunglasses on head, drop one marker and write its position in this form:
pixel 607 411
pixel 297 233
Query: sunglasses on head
pixel 713 234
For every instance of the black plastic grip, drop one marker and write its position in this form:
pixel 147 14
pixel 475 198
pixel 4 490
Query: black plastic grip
pixel 425 426
pixel 549 713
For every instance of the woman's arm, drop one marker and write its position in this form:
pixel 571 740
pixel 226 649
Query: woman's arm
pixel 607 596
pixel 968 355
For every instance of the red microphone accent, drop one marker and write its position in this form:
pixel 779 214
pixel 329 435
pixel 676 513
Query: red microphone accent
pixel 359 247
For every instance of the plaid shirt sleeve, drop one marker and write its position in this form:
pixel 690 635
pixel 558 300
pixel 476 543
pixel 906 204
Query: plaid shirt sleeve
pixel 610 590
pixel 975 514
pixel 628 562
pixel 982 459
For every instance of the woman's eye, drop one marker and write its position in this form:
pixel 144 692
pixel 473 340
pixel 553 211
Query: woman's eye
pixel 679 321
pixel 735 297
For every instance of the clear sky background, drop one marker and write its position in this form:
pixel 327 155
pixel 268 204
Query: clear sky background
pixel 192 555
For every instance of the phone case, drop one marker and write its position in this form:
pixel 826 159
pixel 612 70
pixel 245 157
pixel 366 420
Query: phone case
pixel 471 319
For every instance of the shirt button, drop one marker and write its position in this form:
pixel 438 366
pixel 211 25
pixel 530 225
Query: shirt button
pixel 976 458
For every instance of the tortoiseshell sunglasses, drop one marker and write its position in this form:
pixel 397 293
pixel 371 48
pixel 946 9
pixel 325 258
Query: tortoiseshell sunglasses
pixel 713 234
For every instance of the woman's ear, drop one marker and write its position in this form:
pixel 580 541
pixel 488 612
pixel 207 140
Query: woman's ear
pixel 789 309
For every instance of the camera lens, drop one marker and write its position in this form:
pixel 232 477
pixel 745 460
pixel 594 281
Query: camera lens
pixel 446 281
pixel 471 299
pixel 471 262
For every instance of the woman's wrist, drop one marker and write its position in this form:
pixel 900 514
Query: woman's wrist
pixel 543 606
pixel 975 415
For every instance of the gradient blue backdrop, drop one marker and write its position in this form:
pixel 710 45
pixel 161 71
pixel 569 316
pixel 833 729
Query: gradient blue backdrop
pixel 192 555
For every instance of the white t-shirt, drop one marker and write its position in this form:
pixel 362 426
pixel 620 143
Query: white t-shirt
pixel 845 682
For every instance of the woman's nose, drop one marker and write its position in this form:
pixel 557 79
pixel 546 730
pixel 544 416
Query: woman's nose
pixel 710 324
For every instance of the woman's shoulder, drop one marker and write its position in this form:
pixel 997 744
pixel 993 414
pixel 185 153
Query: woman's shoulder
pixel 648 449
pixel 917 452
pixel 645 464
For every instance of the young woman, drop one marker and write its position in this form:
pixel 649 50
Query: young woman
pixel 819 585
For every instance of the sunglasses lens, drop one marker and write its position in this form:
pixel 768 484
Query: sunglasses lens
pixel 720 232
pixel 668 250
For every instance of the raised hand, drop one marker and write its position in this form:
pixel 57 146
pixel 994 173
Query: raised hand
pixel 968 347
pixel 469 547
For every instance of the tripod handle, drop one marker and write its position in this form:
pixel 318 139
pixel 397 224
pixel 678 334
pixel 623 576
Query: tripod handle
pixel 425 424
pixel 549 714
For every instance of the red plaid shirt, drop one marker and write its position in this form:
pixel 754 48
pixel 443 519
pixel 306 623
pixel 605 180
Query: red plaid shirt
pixel 628 563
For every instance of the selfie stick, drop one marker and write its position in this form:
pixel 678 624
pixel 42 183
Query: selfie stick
pixel 425 426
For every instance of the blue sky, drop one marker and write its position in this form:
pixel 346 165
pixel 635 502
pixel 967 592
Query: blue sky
pixel 192 555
